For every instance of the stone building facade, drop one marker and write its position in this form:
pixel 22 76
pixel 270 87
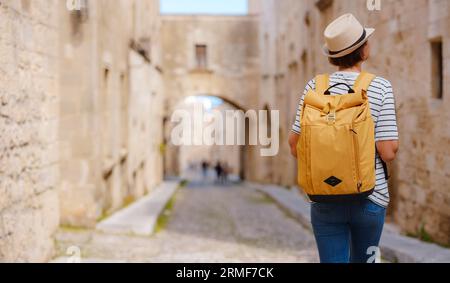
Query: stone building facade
pixel 81 115
pixel 411 48
pixel 111 107
pixel 213 56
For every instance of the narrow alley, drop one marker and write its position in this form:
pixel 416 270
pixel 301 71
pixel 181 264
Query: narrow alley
pixel 207 223
pixel 105 102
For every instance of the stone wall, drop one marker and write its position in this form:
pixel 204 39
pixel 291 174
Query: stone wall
pixel 111 107
pixel 28 128
pixel 232 65
pixel 81 116
pixel 290 40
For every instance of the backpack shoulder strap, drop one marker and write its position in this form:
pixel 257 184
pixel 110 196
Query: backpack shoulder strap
pixel 363 81
pixel 322 83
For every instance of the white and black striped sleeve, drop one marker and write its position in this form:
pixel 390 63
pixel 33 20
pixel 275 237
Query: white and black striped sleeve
pixel 296 127
pixel 386 127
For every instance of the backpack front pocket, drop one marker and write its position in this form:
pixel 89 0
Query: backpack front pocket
pixel 333 161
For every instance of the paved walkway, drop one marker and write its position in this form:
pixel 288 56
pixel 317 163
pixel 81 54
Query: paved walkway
pixel 208 223
pixel 395 247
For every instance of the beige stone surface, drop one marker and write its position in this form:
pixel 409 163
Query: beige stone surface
pixel 290 39
pixel 28 129
pixel 111 107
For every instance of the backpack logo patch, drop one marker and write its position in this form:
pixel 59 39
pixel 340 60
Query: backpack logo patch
pixel 333 181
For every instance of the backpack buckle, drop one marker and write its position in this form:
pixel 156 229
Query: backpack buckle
pixel 331 117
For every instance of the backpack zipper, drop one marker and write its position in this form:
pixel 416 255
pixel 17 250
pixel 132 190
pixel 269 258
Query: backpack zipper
pixel 357 159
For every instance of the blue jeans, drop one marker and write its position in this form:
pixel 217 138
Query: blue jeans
pixel 347 232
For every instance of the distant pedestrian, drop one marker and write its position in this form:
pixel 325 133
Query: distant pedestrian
pixel 226 171
pixel 205 167
pixel 219 172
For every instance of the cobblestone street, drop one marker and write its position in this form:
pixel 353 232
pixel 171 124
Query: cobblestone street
pixel 207 223
pixel 171 130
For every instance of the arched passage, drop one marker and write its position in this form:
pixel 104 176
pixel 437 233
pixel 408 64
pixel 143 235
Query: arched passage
pixel 180 159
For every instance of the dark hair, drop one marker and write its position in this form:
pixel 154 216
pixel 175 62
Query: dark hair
pixel 349 60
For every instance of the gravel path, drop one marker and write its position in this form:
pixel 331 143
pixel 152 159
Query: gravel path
pixel 208 223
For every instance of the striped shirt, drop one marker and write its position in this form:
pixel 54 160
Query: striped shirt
pixel 382 106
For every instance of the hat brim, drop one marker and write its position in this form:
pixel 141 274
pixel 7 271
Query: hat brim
pixel 326 51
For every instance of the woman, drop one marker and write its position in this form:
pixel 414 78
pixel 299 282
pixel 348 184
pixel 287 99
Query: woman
pixel 350 231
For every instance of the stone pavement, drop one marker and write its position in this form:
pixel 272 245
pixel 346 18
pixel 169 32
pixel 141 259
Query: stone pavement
pixel 394 246
pixel 208 223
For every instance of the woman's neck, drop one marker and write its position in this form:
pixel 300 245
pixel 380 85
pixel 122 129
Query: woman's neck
pixel 357 68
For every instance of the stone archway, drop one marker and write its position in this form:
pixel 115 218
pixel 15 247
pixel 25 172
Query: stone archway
pixel 237 155
pixel 197 61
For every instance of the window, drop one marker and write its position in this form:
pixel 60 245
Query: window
pixel 78 10
pixel 143 46
pixel 437 69
pixel 201 56
pixel 106 76
pixel 307 18
pixel 323 5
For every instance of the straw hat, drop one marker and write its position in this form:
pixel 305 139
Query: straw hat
pixel 345 35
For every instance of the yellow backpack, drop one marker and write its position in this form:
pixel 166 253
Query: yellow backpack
pixel 336 148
